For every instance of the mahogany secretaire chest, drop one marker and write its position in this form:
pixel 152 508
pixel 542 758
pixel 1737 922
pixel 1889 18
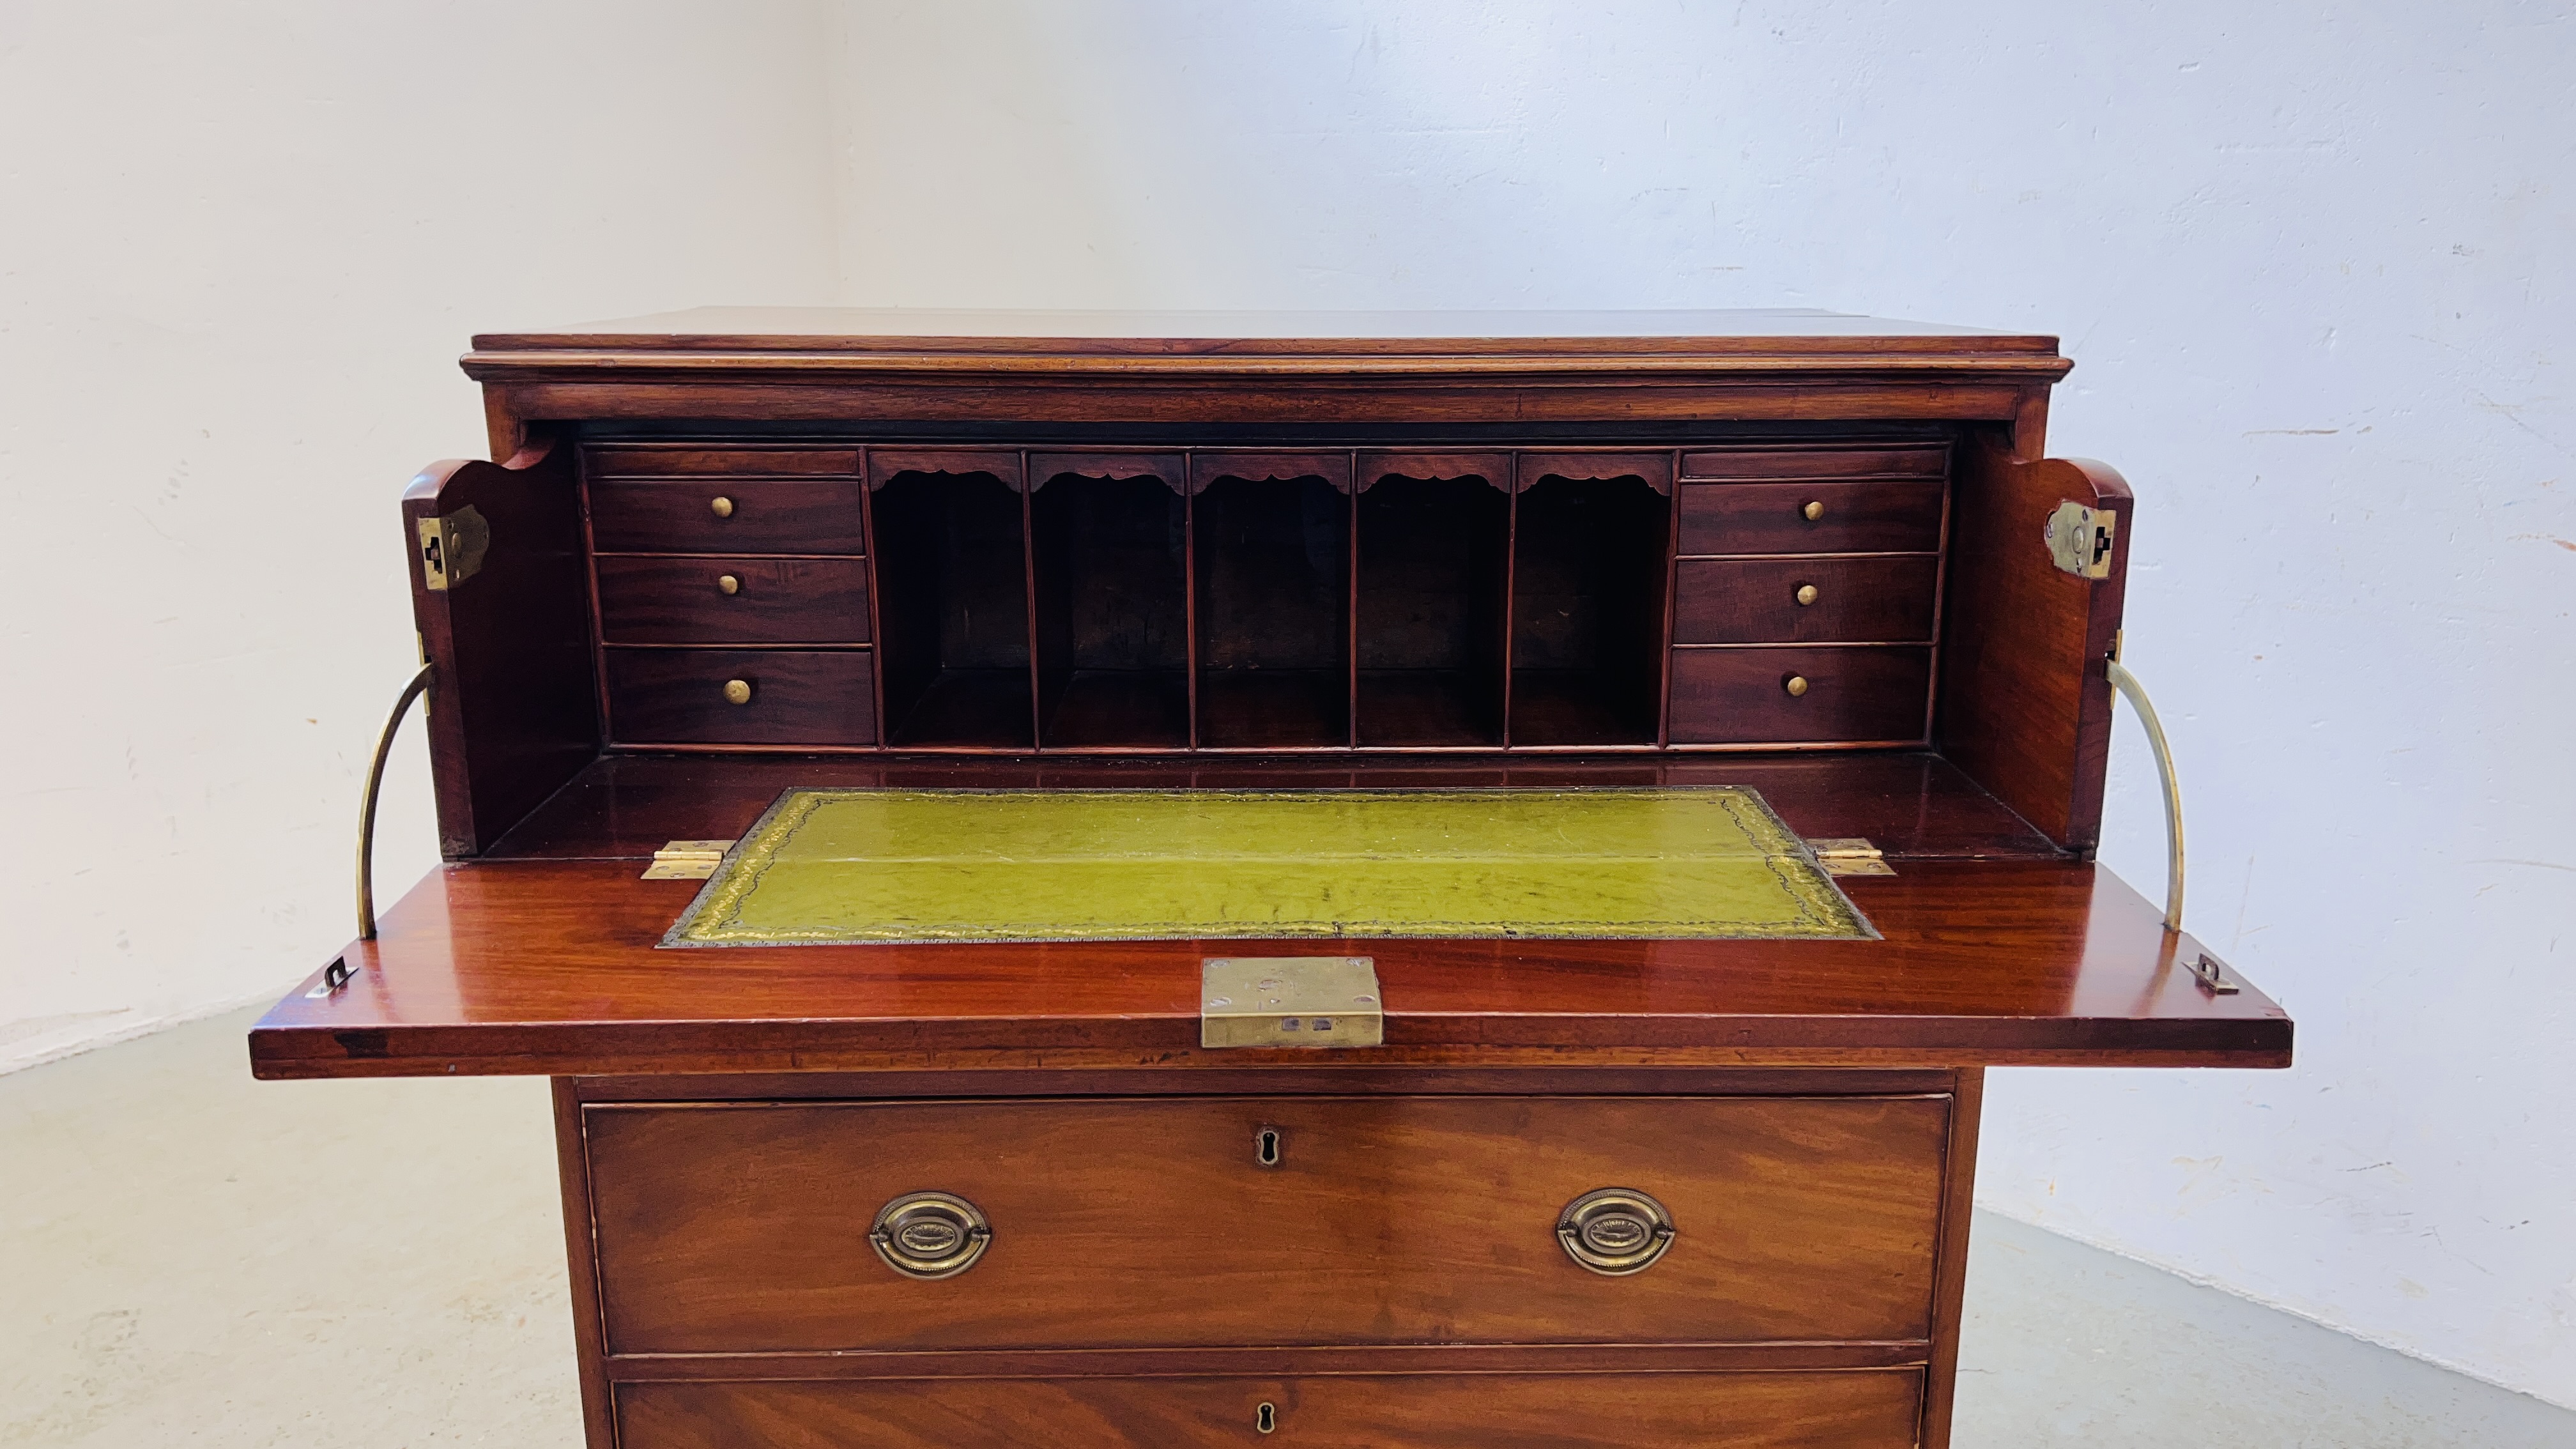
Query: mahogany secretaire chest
pixel 1687 729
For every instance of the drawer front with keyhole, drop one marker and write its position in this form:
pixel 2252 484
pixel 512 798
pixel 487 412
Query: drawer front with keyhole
pixel 1847 1409
pixel 732 600
pixel 1269 1221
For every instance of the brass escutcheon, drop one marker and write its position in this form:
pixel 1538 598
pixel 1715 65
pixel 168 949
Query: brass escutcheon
pixel 930 1234
pixel 1615 1231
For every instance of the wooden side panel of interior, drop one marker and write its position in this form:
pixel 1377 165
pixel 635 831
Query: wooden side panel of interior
pixel 2024 704
pixel 512 704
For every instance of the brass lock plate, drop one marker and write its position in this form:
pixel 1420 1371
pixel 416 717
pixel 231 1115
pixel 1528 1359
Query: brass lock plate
pixel 452 547
pixel 1290 1001
pixel 2079 539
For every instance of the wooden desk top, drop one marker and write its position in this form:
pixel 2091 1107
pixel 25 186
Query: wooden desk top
pixel 543 959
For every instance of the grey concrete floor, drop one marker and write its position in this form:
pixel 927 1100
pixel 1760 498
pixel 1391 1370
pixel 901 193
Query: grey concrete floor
pixel 191 1257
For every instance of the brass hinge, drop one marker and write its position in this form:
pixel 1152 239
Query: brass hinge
pixel 687 860
pixel 1849 855
pixel 452 546
pixel 1290 1001
pixel 2079 539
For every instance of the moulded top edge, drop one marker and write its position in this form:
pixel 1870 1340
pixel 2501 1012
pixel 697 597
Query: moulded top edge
pixel 795 329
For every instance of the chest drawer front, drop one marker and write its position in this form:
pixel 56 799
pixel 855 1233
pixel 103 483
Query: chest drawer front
pixel 791 696
pixel 1847 1409
pixel 718 514
pixel 1154 1223
pixel 683 600
pixel 1843 694
pixel 1881 516
pixel 1804 600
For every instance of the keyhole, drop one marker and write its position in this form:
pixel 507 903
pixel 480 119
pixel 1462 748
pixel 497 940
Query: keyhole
pixel 1265 1150
pixel 1265 1418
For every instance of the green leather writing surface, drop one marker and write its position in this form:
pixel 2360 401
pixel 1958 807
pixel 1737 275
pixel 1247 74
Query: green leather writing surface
pixel 861 866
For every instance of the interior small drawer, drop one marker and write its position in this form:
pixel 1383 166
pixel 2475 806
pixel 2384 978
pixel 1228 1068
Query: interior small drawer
pixel 1795 1409
pixel 1168 1223
pixel 667 599
pixel 1869 600
pixel 1801 694
pixel 1825 516
pixel 741 696
pixel 718 514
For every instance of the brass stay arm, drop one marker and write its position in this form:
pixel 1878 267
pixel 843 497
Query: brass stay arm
pixel 367 810
pixel 2136 694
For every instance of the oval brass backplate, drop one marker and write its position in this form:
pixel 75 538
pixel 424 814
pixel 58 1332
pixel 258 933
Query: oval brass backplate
pixel 930 1234
pixel 1615 1231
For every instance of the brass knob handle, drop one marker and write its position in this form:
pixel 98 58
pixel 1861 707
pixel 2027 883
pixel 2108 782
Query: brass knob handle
pixel 728 584
pixel 1615 1231
pixel 721 506
pixel 930 1234
pixel 1806 594
pixel 1813 511
pixel 737 691
pixel 1796 684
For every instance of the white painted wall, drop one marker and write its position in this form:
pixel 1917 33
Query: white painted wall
pixel 240 249
pixel 2311 261
pixel 2313 264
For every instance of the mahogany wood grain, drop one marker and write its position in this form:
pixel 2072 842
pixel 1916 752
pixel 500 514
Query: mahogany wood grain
pixel 768 515
pixel 580 1251
pixel 1287 1361
pixel 1766 464
pixel 784 392
pixel 1909 804
pixel 672 599
pixel 512 707
pixel 1322 1078
pixel 1172 468
pixel 551 967
pixel 741 1228
pixel 1854 692
pixel 1950 1288
pixel 1876 599
pixel 1856 1409
pixel 2025 704
pixel 1263 465
pixel 1492 469
pixel 798 696
pixel 1769 518
pixel 663 460
pixel 1602 465
pixel 884 465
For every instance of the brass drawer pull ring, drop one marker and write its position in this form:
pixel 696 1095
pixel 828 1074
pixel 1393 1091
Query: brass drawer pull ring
pixel 930 1234
pixel 1615 1231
